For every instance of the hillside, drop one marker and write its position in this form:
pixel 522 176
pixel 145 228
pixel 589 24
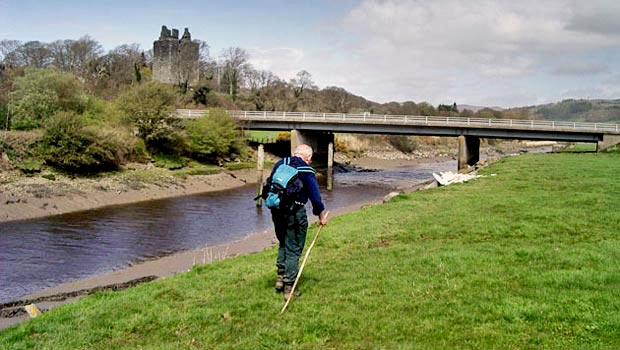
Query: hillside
pixel 595 111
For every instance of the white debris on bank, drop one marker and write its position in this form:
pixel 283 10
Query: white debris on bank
pixel 445 178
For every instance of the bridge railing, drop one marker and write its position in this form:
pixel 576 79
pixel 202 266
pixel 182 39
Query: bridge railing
pixel 368 118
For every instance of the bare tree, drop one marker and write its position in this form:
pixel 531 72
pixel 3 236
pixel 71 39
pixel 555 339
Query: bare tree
pixel 8 46
pixel 258 79
pixel 203 51
pixel 59 52
pixel 32 54
pixel 81 52
pixel 110 72
pixel 302 82
pixel 235 65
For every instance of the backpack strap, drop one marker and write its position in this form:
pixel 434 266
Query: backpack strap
pixel 305 169
pixel 301 169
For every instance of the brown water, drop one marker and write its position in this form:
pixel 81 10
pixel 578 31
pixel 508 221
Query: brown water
pixel 42 253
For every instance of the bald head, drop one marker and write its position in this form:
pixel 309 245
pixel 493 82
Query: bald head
pixel 304 152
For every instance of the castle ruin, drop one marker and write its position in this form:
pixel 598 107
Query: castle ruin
pixel 176 61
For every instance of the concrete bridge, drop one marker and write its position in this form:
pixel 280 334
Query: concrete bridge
pixel 317 129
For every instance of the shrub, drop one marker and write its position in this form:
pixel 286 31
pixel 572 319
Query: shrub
pixel 30 166
pixel 41 93
pixel 69 145
pixel 170 161
pixel 214 136
pixel 218 100
pixel 405 144
pixel 340 145
pixel 283 136
pixel 20 145
pixel 129 148
pixel 149 108
pixel 98 110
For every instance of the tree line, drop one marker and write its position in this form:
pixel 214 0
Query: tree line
pixel 95 109
pixel 228 81
pixel 68 105
pixel 231 82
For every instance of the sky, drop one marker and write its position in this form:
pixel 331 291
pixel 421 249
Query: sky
pixel 484 53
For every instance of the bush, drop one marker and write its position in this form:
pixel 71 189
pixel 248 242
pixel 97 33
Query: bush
pixel 214 136
pixel 20 145
pixel 41 93
pixel 149 107
pixel 218 100
pixel 98 110
pixel 170 161
pixel 30 166
pixel 69 145
pixel 405 144
pixel 284 136
pixel 129 148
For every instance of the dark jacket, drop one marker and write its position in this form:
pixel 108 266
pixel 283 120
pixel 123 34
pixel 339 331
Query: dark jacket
pixel 311 185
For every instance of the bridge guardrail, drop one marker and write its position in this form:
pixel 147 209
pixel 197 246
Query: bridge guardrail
pixel 413 120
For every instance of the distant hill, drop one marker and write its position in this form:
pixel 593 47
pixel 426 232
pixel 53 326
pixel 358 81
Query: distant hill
pixel 477 108
pixel 596 111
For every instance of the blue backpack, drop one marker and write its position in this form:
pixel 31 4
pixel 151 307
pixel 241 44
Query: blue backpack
pixel 284 186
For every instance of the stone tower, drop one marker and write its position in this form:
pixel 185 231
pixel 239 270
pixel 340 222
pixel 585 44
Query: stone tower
pixel 175 61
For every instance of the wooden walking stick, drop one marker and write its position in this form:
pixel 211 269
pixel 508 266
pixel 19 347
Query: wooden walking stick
pixel 303 263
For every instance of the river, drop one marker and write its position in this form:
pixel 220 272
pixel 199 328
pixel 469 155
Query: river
pixel 42 253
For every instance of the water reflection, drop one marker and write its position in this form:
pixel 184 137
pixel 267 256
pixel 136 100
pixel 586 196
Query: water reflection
pixel 41 253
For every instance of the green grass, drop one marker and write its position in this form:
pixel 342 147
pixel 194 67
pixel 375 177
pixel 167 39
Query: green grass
pixel 239 165
pixel 262 135
pixel 527 259
pixel 197 168
pixel 30 166
pixel 580 147
pixel 170 162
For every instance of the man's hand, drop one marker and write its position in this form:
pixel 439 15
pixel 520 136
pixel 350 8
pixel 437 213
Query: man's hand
pixel 323 217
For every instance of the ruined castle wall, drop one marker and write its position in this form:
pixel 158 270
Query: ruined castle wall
pixel 175 61
pixel 164 61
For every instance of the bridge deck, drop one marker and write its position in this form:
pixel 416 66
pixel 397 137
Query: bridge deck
pixel 422 125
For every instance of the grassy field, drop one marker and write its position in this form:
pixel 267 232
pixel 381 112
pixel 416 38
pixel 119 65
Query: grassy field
pixel 262 135
pixel 581 147
pixel 526 259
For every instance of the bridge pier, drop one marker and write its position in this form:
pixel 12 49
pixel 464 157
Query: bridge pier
pixel 469 151
pixel 322 144
pixel 608 141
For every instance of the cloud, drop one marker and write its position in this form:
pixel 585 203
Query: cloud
pixel 488 52
pixel 580 68
pixel 596 17
pixel 444 49
pixel 283 62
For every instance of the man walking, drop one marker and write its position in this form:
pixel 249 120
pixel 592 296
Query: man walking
pixel 291 223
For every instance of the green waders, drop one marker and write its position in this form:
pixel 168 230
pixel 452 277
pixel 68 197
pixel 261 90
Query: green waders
pixel 291 228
